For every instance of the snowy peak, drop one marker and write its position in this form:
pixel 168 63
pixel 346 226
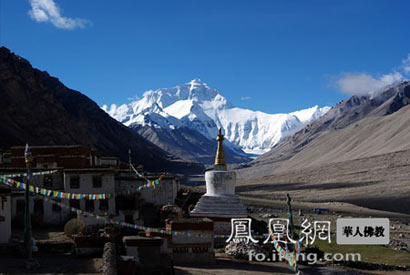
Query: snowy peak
pixel 202 108
pixel 195 90
pixel 310 114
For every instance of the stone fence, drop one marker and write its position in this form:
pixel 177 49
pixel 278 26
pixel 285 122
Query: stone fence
pixel 109 266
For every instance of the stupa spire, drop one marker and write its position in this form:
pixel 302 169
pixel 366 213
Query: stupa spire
pixel 220 163
pixel 220 203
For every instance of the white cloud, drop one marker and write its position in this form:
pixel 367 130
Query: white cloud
pixel 48 11
pixel 406 64
pixel 246 98
pixel 364 83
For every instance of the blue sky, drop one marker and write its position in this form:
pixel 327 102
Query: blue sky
pixel 273 56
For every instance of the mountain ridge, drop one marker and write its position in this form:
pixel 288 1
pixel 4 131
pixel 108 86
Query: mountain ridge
pixel 355 128
pixel 197 106
pixel 59 115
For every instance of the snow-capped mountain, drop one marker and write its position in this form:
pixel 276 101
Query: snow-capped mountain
pixel 199 107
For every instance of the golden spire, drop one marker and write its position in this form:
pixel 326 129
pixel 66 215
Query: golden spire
pixel 220 163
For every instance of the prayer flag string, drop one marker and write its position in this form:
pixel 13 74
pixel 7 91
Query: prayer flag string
pixel 75 196
pixel 34 174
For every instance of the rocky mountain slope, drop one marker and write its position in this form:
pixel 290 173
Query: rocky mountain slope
pixel 38 109
pixel 203 110
pixel 355 128
pixel 187 144
pixel 359 152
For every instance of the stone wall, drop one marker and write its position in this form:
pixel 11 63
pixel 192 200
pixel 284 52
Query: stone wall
pixel 188 246
pixel 109 266
pixel 163 193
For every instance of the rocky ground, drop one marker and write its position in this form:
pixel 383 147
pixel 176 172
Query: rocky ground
pixel 51 263
pixel 399 224
pixel 229 266
pixel 260 209
pixel 345 189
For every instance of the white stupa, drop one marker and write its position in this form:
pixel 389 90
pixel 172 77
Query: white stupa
pixel 220 200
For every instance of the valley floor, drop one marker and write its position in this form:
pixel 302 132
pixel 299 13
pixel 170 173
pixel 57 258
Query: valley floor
pixel 381 182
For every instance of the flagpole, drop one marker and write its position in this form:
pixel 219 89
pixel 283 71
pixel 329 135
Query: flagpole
pixel 129 159
pixel 27 222
pixel 292 229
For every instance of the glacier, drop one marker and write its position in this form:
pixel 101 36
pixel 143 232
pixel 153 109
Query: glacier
pixel 202 108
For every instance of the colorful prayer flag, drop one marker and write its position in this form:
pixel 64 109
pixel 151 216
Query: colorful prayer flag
pixel 27 154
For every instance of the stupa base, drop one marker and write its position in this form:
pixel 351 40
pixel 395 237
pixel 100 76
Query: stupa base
pixel 220 206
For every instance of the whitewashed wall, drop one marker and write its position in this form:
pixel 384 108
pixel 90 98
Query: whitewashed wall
pixel 86 186
pixel 163 193
pixel 48 215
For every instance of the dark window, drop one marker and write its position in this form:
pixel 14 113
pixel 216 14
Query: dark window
pixel 48 181
pixel 89 205
pixel 97 181
pixel 74 182
pixel 20 206
pixel 75 203
pixel 38 207
pixel 103 205
pixel 126 203
pixel 56 208
pixel 129 219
